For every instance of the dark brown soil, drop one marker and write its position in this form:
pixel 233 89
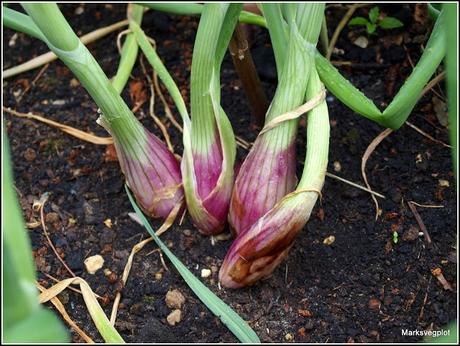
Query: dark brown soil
pixel 362 288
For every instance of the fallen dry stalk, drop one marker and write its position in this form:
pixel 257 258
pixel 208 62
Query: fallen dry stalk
pixel 70 287
pixel 50 56
pixel 437 272
pixel 61 309
pixel 330 175
pixel 97 314
pixel 136 248
pixel 420 222
pixel 423 133
pixel 67 129
pixel 40 205
pixel 370 149
pixel 426 205
pixel 156 119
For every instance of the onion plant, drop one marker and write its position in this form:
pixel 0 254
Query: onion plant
pixel 209 142
pixel 265 212
pixel 151 170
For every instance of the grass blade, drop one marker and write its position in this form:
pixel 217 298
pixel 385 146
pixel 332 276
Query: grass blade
pixel 230 318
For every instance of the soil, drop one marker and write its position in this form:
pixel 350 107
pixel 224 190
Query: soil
pixel 362 288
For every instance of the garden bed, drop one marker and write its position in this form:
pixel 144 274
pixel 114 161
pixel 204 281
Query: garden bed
pixel 364 287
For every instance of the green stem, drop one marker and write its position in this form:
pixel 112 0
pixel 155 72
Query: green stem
pixel 317 139
pixel 194 8
pixel 323 36
pixel 406 98
pixel 65 44
pixel 129 50
pixel 214 32
pixel 154 60
pixel 20 22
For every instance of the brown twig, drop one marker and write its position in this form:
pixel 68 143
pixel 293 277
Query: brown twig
pixel 434 81
pixel 440 77
pixel 45 232
pixel 60 307
pixel 67 129
pixel 34 81
pixel 370 149
pixel 244 65
pixel 330 175
pixel 420 315
pixel 426 205
pixel 423 133
pixel 420 222
pixel 156 119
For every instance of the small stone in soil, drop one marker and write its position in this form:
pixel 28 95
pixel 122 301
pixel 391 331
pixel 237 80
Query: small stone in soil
pixel 329 240
pixel 289 337
pixel 174 317
pixel 205 273
pixel 174 299
pixel 94 263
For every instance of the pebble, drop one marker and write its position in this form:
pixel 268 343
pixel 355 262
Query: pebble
pixel 443 183
pixel 79 10
pixel 329 240
pixel 289 337
pixel 30 154
pixel 205 273
pixel 361 42
pixel 174 317
pixel 337 166
pixel 187 232
pixel 94 263
pixel 174 299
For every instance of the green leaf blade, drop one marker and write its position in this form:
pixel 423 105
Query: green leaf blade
pixel 390 23
pixel 374 14
pixel 358 21
pixel 370 27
